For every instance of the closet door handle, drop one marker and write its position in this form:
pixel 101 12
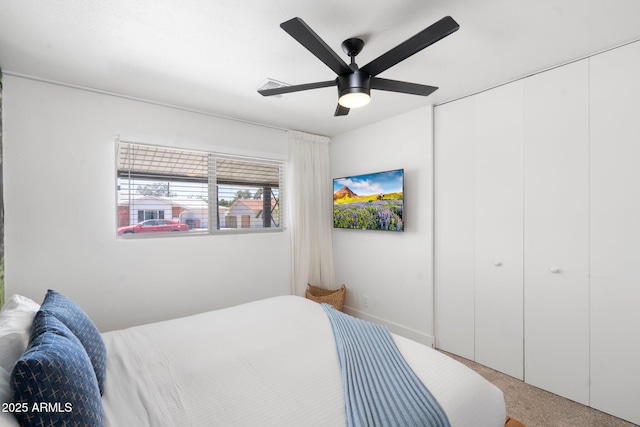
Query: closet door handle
pixel 497 263
pixel 555 270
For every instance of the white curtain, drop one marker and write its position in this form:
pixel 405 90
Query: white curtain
pixel 310 208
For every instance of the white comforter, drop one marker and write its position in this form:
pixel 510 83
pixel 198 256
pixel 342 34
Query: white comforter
pixel 267 363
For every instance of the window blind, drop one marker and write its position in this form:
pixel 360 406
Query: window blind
pixel 209 192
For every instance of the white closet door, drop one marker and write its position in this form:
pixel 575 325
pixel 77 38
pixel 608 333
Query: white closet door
pixel 499 229
pixel 615 232
pixel 454 227
pixel 556 230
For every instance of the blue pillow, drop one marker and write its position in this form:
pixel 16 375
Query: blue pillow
pixel 53 383
pixel 74 318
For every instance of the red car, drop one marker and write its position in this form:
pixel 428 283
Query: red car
pixel 152 226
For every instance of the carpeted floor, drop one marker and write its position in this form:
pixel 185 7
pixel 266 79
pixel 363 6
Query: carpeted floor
pixel 535 407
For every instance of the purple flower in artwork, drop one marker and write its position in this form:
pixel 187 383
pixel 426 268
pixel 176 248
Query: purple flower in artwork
pixel 373 215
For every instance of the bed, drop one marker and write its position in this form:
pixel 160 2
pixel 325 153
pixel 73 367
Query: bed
pixel 271 362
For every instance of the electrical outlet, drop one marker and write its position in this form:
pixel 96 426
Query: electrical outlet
pixel 365 301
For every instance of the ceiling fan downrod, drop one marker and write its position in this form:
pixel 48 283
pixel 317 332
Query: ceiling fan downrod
pixel 352 47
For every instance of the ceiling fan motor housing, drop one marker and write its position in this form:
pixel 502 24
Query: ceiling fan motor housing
pixel 356 82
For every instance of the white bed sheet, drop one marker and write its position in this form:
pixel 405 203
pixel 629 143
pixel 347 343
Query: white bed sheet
pixel 268 363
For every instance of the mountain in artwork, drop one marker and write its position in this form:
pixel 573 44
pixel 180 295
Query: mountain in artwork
pixel 344 193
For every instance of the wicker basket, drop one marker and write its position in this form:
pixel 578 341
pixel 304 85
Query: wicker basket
pixel 335 297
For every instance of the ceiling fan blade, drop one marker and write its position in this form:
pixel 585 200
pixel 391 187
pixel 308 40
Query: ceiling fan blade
pixel 300 31
pixel 415 44
pixel 341 111
pixel 297 88
pixel 402 87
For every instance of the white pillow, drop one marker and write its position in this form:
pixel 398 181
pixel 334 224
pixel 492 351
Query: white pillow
pixel 6 418
pixel 16 319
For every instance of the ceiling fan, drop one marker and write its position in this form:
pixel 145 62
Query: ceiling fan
pixel 355 83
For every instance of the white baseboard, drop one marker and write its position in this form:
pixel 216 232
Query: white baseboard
pixel 393 327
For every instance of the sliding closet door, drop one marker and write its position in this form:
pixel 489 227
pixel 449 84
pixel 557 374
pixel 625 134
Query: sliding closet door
pixel 556 230
pixel 499 229
pixel 454 249
pixel 615 232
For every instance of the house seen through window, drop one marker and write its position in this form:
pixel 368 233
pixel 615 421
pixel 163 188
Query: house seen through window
pixel 166 190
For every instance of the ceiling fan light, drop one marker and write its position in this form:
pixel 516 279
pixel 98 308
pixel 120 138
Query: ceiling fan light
pixel 354 99
pixel 353 89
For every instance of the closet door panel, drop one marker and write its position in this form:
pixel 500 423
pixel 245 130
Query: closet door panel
pixel 454 227
pixel 615 162
pixel 615 347
pixel 556 230
pixel 615 232
pixel 499 229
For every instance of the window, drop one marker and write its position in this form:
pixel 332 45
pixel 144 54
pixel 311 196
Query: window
pixel 207 192
pixel 149 214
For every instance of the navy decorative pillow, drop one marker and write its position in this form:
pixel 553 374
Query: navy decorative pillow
pixel 53 383
pixel 74 318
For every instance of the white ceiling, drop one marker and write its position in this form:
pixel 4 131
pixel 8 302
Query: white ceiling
pixel 212 55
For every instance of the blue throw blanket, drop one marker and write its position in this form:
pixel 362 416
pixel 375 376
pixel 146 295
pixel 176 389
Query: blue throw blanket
pixel 380 389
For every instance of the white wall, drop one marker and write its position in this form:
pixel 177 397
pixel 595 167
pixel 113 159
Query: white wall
pixel 393 269
pixel 60 196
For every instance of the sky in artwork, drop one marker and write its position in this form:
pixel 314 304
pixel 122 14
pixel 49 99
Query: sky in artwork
pixel 373 183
